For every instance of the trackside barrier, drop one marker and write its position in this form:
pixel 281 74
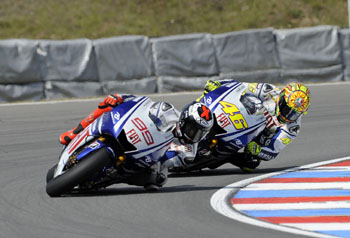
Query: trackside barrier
pixel 345 46
pixel 310 54
pixel 51 69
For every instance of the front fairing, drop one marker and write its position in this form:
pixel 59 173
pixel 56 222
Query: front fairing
pixel 240 126
pixel 150 143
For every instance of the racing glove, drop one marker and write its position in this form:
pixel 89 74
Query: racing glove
pixel 209 86
pixel 253 148
pixel 113 100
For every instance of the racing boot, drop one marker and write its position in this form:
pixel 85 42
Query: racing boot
pixel 68 136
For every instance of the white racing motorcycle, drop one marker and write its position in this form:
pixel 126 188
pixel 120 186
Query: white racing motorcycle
pixel 239 118
pixel 124 145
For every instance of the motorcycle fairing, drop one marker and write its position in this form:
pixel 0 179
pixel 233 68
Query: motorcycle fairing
pixel 150 143
pixel 213 98
pixel 96 145
pixel 240 139
pixel 112 122
pixel 81 139
pixel 229 94
pixel 140 129
pixel 129 116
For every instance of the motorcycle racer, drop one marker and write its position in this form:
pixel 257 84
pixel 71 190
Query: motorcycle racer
pixel 283 110
pixel 188 127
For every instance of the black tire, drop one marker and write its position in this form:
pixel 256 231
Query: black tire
pixel 50 173
pixel 92 164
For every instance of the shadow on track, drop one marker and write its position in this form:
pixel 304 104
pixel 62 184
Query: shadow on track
pixel 132 190
pixel 222 172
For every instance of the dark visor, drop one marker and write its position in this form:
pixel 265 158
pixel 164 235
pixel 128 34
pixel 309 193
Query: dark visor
pixel 287 112
pixel 193 133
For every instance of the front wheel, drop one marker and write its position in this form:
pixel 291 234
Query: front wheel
pixel 87 168
pixel 50 173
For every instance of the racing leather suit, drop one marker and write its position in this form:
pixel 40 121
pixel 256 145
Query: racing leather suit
pixel 275 136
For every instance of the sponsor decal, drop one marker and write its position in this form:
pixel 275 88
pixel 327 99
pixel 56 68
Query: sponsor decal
pixel 133 136
pixel 238 142
pixel 209 100
pixel 94 145
pixel 223 120
pixel 264 156
pixel 234 115
pixel 286 140
pixel 117 116
pixel 148 159
pixel 271 121
pixel 146 134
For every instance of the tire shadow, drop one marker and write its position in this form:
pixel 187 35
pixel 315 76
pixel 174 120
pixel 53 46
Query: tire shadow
pixel 123 189
pixel 223 172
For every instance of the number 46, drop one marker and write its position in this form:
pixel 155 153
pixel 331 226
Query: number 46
pixel 234 114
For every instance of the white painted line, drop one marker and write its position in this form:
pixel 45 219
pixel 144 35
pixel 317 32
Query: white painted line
pixel 219 201
pixel 344 226
pixel 331 169
pixel 293 186
pixel 324 170
pixel 294 206
pixel 322 163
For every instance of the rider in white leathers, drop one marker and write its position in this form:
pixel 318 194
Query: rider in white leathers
pixel 188 127
pixel 283 111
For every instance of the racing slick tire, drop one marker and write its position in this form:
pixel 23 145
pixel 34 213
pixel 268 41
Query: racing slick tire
pixel 50 173
pixel 88 167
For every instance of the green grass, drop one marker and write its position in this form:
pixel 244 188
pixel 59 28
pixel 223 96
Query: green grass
pixel 93 19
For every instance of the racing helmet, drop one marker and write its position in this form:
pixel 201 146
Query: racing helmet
pixel 293 101
pixel 194 124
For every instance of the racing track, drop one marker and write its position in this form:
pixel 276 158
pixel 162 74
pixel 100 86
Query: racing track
pixel 182 208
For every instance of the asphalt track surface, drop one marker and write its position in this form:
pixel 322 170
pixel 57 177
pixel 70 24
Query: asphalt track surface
pixel 29 147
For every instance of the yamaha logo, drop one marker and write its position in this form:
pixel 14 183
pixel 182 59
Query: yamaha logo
pixel 209 100
pixel 117 116
pixel 238 142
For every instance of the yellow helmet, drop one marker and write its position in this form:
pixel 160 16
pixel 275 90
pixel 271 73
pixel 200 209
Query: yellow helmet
pixel 294 100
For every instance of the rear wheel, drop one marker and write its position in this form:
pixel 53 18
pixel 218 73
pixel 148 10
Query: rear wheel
pixel 88 167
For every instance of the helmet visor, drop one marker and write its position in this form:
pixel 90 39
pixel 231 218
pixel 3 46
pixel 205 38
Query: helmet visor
pixel 193 133
pixel 288 114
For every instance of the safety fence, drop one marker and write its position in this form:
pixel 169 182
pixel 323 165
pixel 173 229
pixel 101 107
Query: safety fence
pixel 52 69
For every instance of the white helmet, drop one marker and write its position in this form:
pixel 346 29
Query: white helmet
pixel 195 122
